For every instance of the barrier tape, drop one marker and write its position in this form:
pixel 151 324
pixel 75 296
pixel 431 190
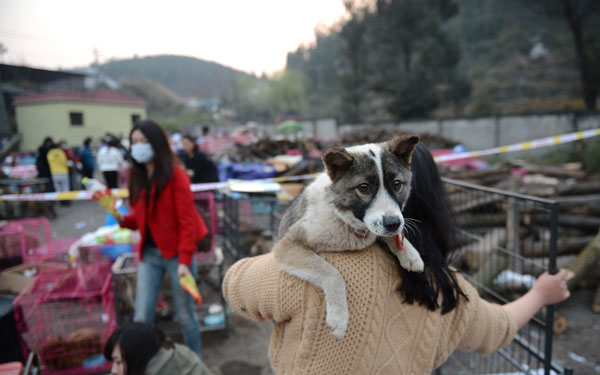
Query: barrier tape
pixel 529 145
pixel 124 193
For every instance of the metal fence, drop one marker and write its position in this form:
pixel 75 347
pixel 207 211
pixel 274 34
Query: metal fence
pixel 505 241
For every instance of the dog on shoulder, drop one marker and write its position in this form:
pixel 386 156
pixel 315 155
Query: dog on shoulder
pixel 358 200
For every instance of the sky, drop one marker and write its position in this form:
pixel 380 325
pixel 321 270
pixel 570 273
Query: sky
pixel 250 35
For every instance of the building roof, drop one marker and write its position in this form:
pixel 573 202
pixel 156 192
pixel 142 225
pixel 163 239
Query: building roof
pixel 106 96
pixel 16 73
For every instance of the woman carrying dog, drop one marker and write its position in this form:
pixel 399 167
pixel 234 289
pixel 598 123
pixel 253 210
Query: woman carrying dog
pixel 400 322
pixel 169 224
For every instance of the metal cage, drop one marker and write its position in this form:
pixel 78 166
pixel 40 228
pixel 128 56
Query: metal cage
pixel 247 217
pixel 505 241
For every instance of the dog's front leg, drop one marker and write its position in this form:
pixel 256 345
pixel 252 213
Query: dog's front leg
pixel 309 266
pixel 408 256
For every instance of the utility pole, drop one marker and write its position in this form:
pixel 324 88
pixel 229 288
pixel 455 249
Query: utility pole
pixel 97 67
pixel 4 128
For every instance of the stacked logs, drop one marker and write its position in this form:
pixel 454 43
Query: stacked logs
pixel 500 232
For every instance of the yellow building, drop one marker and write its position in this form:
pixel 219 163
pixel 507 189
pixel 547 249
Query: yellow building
pixel 73 116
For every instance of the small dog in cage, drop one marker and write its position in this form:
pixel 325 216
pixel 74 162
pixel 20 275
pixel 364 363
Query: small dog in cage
pixel 358 200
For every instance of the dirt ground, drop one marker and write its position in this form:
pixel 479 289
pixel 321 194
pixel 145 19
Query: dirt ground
pixel 243 347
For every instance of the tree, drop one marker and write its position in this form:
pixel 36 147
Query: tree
pixel 582 17
pixel 287 94
pixel 319 64
pixel 576 13
pixel 416 62
pixel 354 68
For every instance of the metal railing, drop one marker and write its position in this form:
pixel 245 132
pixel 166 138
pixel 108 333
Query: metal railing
pixel 505 241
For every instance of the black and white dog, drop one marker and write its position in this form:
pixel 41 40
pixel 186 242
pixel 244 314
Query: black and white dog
pixel 356 201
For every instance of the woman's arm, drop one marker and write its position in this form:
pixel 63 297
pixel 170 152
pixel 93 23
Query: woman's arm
pixel 253 286
pixel 548 290
pixel 128 221
pixel 488 326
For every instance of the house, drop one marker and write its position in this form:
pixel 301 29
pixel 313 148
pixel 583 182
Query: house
pixel 74 115
pixel 17 80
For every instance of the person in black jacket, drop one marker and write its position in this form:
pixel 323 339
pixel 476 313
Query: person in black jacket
pixel 198 166
pixel 42 165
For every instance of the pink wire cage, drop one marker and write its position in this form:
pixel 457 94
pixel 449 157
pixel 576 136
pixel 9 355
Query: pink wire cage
pixel 39 245
pixel 12 240
pixel 66 317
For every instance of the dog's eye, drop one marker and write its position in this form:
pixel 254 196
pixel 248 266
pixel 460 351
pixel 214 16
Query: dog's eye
pixel 364 188
pixel 397 185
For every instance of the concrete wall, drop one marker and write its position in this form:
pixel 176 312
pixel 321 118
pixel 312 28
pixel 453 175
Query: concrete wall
pixel 36 121
pixel 483 133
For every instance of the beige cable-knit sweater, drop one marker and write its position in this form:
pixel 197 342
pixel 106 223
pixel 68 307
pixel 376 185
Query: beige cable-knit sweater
pixel 384 336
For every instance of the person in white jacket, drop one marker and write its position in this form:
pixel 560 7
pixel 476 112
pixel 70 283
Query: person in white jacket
pixel 109 160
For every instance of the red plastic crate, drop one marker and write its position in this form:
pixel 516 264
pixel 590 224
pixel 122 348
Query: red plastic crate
pixel 66 317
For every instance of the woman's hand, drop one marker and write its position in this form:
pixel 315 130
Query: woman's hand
pixel 182 270
pixel 189 172
pixel 552 289
pixel 548 290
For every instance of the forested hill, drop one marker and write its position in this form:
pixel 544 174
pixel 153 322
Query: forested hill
pixel 185 76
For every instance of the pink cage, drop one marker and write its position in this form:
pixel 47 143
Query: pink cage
pixel 12 240
pixel 205 203
pixel 66 317
pixel 39 245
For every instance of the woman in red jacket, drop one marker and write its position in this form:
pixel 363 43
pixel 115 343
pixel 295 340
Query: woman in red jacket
pixel 170 227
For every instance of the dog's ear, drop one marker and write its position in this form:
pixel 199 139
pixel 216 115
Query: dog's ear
pixel 402 146
pixel 337 161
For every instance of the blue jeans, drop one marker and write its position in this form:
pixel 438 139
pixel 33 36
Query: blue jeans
pixel 151 271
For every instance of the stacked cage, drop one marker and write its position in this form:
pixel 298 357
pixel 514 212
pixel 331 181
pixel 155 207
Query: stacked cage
pixel 12 244
pixel 66 317
pixel 505 241
pixel 39 245
pixel 248 219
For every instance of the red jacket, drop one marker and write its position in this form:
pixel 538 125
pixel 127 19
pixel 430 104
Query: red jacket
pixel 175 223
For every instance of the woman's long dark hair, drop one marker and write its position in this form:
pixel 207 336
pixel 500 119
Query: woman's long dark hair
pixel 190 138
pixel 163 160
pixel 138 343
pixel 433 235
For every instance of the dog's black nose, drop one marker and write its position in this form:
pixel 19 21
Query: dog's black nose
pixel 391 223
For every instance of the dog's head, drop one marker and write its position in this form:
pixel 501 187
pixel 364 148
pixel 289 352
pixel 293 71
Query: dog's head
pixel 371 183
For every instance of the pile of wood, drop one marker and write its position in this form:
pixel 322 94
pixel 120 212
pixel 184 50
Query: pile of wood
pixel 361 135
pixel 501 229
pixel 267 148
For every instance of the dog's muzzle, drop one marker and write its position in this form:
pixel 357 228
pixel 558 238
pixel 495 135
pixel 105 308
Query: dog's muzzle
pixel 391 223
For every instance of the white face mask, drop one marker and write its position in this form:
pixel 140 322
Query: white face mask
pixel 142 152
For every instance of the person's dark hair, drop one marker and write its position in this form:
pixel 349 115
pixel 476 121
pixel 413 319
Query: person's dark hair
pixel 191 139
pixel 87 142
pixel 433 234
pixel 114 142
pixel 48 143
pixel 138 343
pixel 163 160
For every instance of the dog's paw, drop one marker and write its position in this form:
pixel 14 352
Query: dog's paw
pixel 337 320
pixel 412 263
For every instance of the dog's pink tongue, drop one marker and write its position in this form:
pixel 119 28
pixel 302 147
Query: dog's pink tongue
pixel 399 243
